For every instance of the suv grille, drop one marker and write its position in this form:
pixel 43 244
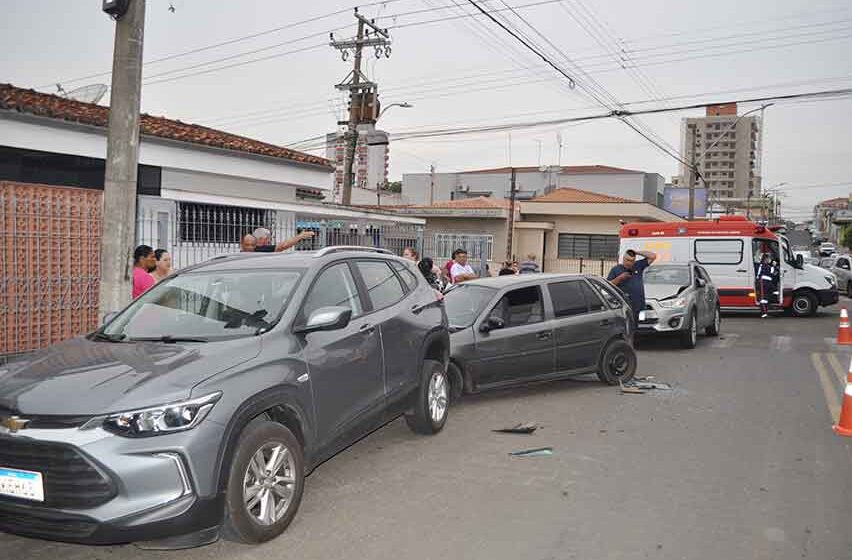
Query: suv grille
pixel 70 479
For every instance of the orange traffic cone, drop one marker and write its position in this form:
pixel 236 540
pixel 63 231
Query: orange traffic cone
pixel 844 334
pixel 844 425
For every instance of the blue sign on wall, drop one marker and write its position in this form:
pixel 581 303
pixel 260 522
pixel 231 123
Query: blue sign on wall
pixel 676 201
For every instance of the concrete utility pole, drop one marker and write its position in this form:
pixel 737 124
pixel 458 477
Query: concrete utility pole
pixel 361 91
pixel 119 223
pixel 693 172
pixel 511 232
pixel 431 184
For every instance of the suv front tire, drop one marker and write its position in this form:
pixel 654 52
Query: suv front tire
pixel 266 483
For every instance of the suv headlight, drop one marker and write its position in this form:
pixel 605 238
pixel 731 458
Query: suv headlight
pixel 673 303
pixel 164 419
pixel 832 281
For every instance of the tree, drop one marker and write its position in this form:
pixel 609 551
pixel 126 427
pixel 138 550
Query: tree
pixel 394 187
pixel 846 236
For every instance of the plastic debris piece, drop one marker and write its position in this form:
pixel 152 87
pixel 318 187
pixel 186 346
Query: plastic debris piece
pixel 538 452
pixel 523 428
pixel 631 390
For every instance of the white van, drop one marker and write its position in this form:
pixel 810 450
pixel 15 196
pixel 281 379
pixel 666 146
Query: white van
pixel 730 249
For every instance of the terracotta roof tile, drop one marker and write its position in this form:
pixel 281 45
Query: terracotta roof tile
pixel 570 194
pixel 479 202
pixel 55 107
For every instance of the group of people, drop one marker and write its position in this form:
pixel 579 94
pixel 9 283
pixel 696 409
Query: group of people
pixel 529 266
pixel 455 271
pixel 149 267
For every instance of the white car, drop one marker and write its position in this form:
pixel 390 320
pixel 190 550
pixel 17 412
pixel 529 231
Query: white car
pixel 827 249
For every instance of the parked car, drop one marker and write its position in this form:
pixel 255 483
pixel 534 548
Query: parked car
pixel 841 268
pixel 508 330
pixel 205 402
pixel 680 299
pixel 827 249
pixel 827 262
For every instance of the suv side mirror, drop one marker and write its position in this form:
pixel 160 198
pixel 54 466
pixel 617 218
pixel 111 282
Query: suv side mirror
pixel 109 317
pixel 492 324
pixel 326 319
pixel 800 261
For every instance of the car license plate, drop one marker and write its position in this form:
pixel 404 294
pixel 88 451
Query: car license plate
pixel 16 483
pixel 647 315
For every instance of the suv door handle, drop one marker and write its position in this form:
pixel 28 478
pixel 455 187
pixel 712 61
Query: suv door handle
pixel 544 335
pixel 367 328
pixel 742 270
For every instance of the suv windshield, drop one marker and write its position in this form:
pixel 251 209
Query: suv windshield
pixel 465 302
pixel 206 305
pixel 673 275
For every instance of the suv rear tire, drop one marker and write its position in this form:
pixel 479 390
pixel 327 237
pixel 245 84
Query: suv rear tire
pixel 255 491
pixel 617 363
pixel 432 400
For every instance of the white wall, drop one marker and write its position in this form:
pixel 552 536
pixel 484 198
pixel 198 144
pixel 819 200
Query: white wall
pixel 49 136
pixel 210 183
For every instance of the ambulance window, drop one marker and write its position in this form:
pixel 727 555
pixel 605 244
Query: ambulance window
pixel 762 247
pixel 719 251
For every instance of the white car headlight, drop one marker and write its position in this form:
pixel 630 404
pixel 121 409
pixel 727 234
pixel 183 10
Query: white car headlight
pixel 831 280
pixel 673 303
pixel 164 419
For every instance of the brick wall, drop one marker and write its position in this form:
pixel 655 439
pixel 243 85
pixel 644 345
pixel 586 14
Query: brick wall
pixel 49 264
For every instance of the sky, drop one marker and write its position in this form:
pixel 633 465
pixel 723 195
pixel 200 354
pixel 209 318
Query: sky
pixel 273 73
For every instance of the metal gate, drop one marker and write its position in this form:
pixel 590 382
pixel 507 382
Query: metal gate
pixel 50 245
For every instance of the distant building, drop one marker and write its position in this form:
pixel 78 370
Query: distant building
pixel 727 151
pixel 826 217
pixel 431 188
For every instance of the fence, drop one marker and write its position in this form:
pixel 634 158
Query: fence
pixel 599 267
pixel 49 264
pixel 440 246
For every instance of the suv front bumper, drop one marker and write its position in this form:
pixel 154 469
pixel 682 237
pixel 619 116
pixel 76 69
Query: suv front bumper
pixel 144 489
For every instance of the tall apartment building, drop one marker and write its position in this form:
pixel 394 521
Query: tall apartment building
pixel 727 150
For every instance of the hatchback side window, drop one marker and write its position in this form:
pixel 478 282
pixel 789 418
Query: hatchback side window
pixel 568 298
pixel 383 286
pixel 607 293
pixel 594 301
pixel 335 287
pixel 843 263
pixel 520 307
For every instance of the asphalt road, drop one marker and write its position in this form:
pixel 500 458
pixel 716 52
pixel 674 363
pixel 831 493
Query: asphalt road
pixel 737 461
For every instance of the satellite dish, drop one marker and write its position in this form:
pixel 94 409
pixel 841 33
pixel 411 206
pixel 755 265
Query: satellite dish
pixel 88 94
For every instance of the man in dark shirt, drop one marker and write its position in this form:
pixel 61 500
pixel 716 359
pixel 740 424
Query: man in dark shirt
pixel 628 276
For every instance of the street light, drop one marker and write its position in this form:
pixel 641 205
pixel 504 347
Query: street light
pixel 404 105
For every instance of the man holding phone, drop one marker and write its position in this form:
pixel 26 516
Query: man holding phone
pixel 628 276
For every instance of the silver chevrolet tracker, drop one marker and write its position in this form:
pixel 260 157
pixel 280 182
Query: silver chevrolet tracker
pixel 680 299
pixel 204 404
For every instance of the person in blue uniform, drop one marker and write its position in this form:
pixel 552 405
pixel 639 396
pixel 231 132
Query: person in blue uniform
pixel 767 282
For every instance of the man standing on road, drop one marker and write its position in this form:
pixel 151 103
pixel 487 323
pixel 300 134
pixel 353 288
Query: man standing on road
pixel 628 276
pixel 461 271
pixel 265 245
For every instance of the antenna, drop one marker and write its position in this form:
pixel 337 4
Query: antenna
pixel 87 94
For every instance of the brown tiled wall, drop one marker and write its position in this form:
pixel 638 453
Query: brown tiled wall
pixel 49 264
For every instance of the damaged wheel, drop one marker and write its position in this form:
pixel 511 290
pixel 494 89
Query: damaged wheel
pixel 617 363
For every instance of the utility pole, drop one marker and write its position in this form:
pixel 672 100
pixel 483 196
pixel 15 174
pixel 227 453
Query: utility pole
pixel 431 184
pixel 119 214
pixel 693 172
pixel 511 232
pixel 362 92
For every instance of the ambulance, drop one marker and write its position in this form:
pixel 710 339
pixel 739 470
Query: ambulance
pixel 730 248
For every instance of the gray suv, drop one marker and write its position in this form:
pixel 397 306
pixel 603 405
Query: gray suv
pixel 203 405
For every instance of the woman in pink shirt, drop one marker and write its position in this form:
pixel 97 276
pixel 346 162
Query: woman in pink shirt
pixel 144 262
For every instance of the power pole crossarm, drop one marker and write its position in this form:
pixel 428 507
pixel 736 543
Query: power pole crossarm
pixel 119 228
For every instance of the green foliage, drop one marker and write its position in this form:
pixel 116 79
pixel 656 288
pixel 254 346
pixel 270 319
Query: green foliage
pixel 394 187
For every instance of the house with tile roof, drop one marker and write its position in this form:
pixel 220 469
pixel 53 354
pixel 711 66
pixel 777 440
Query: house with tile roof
pixel 561 227
pixel 426 188
pixel 197 185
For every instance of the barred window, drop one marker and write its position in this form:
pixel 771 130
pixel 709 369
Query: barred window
pixel 576 245
pixel 210 223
